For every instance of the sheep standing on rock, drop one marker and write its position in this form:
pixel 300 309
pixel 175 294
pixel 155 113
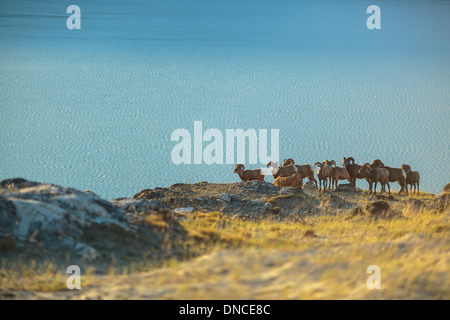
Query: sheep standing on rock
pixel 248 175
pixel 412 178
pixel 294 181
pixel 323 174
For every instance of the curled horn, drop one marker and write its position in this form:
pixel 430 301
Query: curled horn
pixel 378 163
pixel 288 162
pixel 317 163
pixel 406 168
pixel 332 162
pixel 239 166
pixel 365 166
pixel 351 159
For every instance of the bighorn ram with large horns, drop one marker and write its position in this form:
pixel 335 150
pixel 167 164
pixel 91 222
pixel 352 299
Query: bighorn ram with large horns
pixel 412 178
pixel 324 174
pixel 374 176
pixel 395 174
pixel 305 170
pixel 352 170
pixel 248 175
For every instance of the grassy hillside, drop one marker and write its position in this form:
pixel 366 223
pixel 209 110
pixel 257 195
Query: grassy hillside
pixel 314 246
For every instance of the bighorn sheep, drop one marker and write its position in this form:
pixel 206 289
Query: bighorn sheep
pixel 412 178
pixel 323 173
pixel 305 170
pixel 294 180
pixel 374 176
pixel 337 173
pixel 352 170
pixel 281 171
pixel 395 174
pixel 248 175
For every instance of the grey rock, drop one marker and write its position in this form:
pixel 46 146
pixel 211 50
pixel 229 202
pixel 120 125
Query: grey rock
pixel 256 203
pixel 86 252
pixel 288 190
pixel 183 210
pixel 54 215
pixel 347 187
pixel 310 188
pixel 136 205
pixel 224 197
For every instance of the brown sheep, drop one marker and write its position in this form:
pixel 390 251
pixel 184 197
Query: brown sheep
pixel 352 170
pixel 323 173
pixel 375 175
pixel 412 178
pixel 248 175
pixel 337 173
pixel 281 171
pixel 395 174
pixel 294 181
pixel 305 170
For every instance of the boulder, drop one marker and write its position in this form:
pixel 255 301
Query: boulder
pixel 310 188
pixel 414 206
pixel 54 215
pixel 441 204
pixel 380 209
pixel 347 187
pixel 258 186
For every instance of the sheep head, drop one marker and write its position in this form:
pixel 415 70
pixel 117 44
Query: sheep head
pixel 319 164
pixel 364 169
pixel 238 168
pixel 406 168
pixel 346 161
pixel 377 163
pixel 332 162
pixel 288 162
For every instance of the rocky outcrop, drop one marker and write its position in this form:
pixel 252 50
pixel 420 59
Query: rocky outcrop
pixel 55 216
pixel 243 199
pixel 440 204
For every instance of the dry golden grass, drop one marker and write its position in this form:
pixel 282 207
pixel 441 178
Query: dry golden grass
pixel 312 257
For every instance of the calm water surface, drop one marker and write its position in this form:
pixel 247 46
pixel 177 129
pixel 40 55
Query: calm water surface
pixel 95 108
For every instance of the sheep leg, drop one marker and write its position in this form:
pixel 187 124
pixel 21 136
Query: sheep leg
pixel 375 188
pixel 402 185
pixel 418 188
pixel 389 188
pixel 313 180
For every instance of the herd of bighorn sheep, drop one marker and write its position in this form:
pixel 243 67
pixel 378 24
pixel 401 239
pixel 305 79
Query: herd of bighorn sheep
pixel 290 174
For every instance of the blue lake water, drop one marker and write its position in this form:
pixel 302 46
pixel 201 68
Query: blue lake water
pixel 95 108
